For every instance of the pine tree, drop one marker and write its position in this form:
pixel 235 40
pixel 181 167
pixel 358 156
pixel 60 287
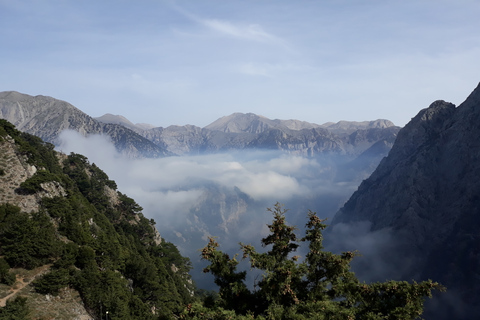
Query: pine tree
pixel 322 286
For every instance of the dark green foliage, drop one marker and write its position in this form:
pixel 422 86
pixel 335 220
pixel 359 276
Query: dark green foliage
pixel 33 184
pixel 320 287
pixel 6 276
pixel 27 240
pixel 129 205
pixel 6 128
pixel 53 281
pixel 85 259
pixel 15 310
pixel 68 257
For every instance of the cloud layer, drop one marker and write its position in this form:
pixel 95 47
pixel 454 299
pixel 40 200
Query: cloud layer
pixel 224 195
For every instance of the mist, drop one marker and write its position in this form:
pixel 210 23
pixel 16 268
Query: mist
pixel 224 195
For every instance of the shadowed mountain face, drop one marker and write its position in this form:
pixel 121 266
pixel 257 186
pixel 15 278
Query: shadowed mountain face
pixel 427 192
pixel 46 117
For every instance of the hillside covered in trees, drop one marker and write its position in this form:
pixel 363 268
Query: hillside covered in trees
pixel 62 215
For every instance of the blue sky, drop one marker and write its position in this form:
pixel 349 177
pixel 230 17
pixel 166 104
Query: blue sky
pixel 191 62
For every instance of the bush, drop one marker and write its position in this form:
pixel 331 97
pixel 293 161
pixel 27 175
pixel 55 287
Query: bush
pixel 6 276
pixel 33 184
pixel 52 282
pixel 15 310
pixel 27 240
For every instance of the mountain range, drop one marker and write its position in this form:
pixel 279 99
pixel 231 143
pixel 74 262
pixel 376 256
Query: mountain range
pixel 47 117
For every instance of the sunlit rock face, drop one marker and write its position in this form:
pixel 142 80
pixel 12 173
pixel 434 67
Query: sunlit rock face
pixel 47 117
pixel 427 192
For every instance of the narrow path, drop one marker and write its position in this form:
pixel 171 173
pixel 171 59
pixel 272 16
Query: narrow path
pixel 20 283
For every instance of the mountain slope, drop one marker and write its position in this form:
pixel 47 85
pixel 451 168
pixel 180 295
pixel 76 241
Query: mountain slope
pixel 46 117
pixel 427 191
pixel 76 247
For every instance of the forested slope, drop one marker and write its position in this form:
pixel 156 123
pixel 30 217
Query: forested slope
pixel 66 231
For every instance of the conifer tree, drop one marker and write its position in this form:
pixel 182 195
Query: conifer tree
pixel 322 286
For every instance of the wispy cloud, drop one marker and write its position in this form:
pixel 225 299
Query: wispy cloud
pixel 239 30
pixel 252 32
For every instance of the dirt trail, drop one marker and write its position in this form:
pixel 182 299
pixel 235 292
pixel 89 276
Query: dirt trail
pixel 20 283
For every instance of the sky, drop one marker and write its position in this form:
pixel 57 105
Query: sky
pixel 166 62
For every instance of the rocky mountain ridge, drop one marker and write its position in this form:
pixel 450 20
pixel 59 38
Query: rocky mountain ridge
pixel 46 117
pixel 246 131
pixel 427 192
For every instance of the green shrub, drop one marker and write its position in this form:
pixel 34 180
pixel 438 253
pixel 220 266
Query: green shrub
pixel 27 240
pixel 52 282
pixel 15 310
pixel 33 184
pixel 6 276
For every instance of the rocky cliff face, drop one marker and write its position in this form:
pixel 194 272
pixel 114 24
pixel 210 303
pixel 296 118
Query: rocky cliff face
pixel 16 170
pixel 428 192
pixel 46 117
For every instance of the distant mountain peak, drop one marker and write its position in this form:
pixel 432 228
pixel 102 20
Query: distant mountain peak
pixel 121 120
pixel 347 127
pixel 241 123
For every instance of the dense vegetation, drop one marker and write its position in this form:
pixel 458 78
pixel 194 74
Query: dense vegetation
pixel 98 244
pixel 320 287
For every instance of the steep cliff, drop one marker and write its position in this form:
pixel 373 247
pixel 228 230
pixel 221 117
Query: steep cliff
pixel 427 191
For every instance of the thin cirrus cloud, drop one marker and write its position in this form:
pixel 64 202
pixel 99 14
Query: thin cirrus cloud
pixel 252 32
pixel 237 30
